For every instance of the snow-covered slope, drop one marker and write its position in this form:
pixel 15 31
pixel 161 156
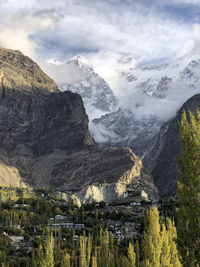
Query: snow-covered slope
pixel 148 96
pixel 123 129
pixel 80 77
pixel 160 89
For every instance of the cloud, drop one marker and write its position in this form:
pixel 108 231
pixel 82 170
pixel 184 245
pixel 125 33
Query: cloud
pixel 113 35
pixel 17 29
pixel 92 26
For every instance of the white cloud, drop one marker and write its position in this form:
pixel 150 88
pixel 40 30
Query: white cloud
pixel 16 31
pixel 183 2
pixel 97 28
pixel 108 33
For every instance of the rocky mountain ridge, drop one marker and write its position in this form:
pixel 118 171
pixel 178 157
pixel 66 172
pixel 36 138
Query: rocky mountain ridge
pixel 149 96
pixel 45 142
pixel 161 156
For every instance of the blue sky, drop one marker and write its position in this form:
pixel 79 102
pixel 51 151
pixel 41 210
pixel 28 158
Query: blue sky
pixel 107 32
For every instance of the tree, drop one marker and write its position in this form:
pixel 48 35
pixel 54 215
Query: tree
pixel 189 190
pixel 131 255
pixel 65 262
pixel 104 247
pixel 111 241
pixel 137 252
pixel 49 250
pixel 57 210
pixel 152 243
pixel 85 251
pixel 165 254
pixel 94 261
pixel 172 238
pixel 82 255
pixel 159 243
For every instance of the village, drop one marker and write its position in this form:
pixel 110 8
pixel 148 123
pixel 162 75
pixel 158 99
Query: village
pixel 22 223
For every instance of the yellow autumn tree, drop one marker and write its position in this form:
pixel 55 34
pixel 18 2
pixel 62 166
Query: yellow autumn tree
pixel 159 242
pixel 189 190
pixel 131 255
pixel 65 262
pixel 152 242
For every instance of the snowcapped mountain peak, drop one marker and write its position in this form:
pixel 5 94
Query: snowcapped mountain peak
pixel 78 76
pixel 81 62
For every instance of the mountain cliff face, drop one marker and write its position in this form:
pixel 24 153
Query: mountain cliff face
pixel 122 129
pixel 164 149
pixel 45 142
pixel 147 97
pixel 21 73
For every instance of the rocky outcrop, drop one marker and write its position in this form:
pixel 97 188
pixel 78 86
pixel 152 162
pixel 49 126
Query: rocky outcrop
pixel 122 129
pixel 45 142
pixel 18 72
pixel 161 157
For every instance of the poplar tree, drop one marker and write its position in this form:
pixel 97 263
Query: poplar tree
pixel 172 238
pixel 152 243
pixel 82 255
pixel 189 190
pixel 104 247
pixel 89 250
pixel 124 262
pixel 94 261
pixel 41 257
pixel 165 254
pixel 159 242
pixel 65 262
pixel 137 252
pixel 49 250
pixel 131 255
pixel 85 251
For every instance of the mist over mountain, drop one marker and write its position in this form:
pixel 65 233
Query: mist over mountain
pixel 146 97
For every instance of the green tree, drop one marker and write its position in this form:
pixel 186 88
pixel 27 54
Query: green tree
pixel 49 250
pixel 85 251
pixel 104 247
pixel 165 253
pixel 82 252
pixel 172 238
pixel 189 190
pixel 159 243
pixel 152 242
pixel 65 262
pixel 137 252
pixel 94 261
pixel 131 255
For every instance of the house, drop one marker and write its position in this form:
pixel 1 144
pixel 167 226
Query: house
pixel 59 218
pixel 17 206
pixel 133 195
pixel 67 225
pixel 16 239
pixel 55 226
pixel 70 226
pixel 79 226
pixel 135 204
pixel 17 226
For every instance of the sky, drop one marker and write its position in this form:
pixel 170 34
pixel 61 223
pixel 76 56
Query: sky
pixel 111 34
